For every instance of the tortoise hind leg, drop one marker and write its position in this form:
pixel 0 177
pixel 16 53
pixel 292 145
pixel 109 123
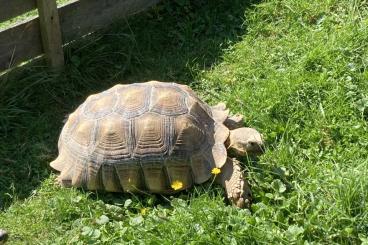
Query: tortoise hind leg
pixel 236 186
pixel 65 177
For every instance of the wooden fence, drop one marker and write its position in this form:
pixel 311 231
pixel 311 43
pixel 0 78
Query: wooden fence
pixel 46 33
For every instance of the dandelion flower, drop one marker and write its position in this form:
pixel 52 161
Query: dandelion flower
pixel 143 211
pixel 177 185
pixel 216 171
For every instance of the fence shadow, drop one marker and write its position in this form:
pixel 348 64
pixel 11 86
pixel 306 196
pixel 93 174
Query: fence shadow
pixel 171 42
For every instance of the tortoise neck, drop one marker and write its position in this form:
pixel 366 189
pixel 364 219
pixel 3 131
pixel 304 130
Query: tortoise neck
pixel 227 143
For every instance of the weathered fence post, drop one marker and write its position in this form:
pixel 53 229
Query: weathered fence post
pixel 51 33
pixel 21 41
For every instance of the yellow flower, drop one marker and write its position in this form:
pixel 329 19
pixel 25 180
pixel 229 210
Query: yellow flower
pixel 143 211
pixel 216 171
pixel 177 185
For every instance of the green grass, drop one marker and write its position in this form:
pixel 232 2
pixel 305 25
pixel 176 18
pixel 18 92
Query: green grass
pixel 296 69
pixel 25 16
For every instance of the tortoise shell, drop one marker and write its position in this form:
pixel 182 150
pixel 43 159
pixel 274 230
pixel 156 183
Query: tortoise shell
pixel 141 137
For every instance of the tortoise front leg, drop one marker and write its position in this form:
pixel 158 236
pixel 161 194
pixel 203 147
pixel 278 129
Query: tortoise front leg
pixel 234 122
pixel 236 186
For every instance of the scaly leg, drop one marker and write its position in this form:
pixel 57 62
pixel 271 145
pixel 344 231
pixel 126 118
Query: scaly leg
pixel 236 186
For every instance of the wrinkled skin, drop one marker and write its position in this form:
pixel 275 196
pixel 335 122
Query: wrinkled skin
pixel 245 141
pixel 241 141
pixel 235 184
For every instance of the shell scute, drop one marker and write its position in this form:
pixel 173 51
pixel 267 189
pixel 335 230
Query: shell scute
pixel 112 138
pixel 190 136
pixel 82 133
pixel 168 100
pixel 200 113
pixel 110 180
pixel 130 176
pixel 179 170
pixel 155 176
pixel 98 106
pixel 201 167
pixel 94 173
pixel 133 100
pixel 150 136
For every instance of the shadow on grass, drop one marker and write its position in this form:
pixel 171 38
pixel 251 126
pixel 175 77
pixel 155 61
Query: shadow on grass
pixel 171 42
pixel 137 201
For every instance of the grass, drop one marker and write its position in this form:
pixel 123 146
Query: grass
pixel 25 16
pixel 296 69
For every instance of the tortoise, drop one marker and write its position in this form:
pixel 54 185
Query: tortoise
pixel 154 137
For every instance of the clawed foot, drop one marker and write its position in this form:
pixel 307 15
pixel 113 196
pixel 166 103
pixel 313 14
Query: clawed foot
pixel 240 195
pixel 236 186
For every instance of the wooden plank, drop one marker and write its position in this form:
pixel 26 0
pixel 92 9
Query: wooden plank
pixel 20 43
pixel 85 16
pixel 13 8
pixel 50 33
pixel 23 41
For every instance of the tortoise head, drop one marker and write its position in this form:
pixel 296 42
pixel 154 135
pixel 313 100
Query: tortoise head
pixel 245 141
